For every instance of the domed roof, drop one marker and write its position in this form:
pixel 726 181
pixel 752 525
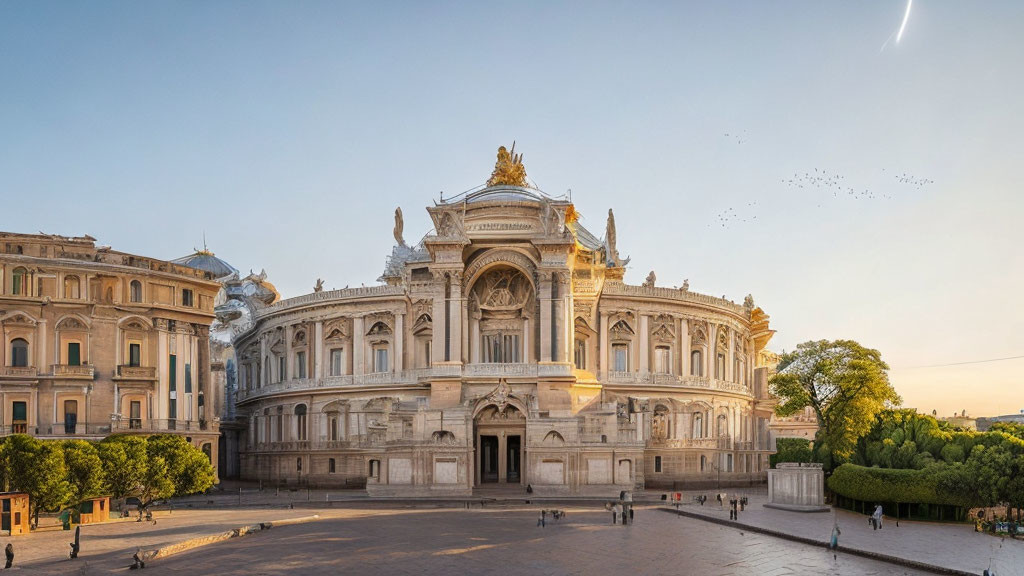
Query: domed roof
pixel 206 261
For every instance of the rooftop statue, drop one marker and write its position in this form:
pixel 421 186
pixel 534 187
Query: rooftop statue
pixel 399 226
pixel 609 239
pixel 649 282
pixel 319 286
pixel 509 169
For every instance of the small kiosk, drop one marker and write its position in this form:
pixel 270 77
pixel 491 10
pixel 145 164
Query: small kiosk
pixel 14 513
pixel 94 510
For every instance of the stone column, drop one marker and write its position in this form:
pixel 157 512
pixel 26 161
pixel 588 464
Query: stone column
pixel 316 348
pixel 357 345
pixel 526 342
pixel 731 361
pixel 712 355
pixel 644 351
pixel 457 305
pixel 684 347
pixel 289 370
pixel 437 317
pixel 399 340
pixel 545 316
pixel 566 317
pixel 263 372
pixel 603 352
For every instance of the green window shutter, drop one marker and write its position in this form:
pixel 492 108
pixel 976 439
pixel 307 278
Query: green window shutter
pixel 74 354
pixel 20 410
pixel 188 378
pixel 172 373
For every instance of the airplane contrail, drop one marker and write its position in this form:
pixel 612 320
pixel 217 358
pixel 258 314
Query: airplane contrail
pixel 906 16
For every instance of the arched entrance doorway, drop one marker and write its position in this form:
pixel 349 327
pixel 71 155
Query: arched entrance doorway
pixel 500 435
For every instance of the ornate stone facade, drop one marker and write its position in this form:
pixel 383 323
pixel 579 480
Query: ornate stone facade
pixel 98 342
pixel 504 349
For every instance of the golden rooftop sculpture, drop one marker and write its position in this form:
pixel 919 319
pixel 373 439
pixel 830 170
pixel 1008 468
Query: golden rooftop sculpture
pixel 509 169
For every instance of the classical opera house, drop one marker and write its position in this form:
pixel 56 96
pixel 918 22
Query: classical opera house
pixel 503 350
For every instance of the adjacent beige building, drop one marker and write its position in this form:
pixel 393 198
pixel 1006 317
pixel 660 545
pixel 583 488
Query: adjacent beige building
pixel 97 342
pixel 503 350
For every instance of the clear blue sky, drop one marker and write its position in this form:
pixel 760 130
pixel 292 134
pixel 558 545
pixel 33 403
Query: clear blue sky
pixel 289 131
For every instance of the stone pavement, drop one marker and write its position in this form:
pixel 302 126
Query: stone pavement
pixel 948 545
pixel 109 546
pixel 508 542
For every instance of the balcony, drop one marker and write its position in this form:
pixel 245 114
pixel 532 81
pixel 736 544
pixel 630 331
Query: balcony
pixel 149 426
pixel 83 372
pixel 125 372
pixel 19 371
pixel 658 379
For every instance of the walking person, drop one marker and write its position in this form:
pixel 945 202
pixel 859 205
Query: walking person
pixel 833 541
pixel 877 516
pixel 9 553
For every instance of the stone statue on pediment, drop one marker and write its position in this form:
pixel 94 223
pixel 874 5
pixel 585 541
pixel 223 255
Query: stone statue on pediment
pixel 399 226
pixel 651 279
pixel 319 286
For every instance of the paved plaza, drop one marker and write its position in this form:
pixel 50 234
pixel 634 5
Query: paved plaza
pixel 507 541
pixel 364 537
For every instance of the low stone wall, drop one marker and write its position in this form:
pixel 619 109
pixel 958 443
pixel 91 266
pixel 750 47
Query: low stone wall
pixel 797 486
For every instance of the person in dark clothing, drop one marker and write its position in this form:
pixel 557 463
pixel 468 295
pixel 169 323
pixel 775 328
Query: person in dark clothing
pixel 9 553
pixel 74 545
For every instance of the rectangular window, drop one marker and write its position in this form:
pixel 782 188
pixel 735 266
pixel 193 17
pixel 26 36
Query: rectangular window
pixel 501 348
pixel 657 463
pixel 134 354
pixel 70 416
pixel 19 418
pixel 380 359
pixel 620 358
pixel 300 364
pixel 172 387
pixel 135 415
pixel 74 354
pixel 330 465
pixel 580 354
pixel 188 378
pixel 663 360
pixel 282 369
pixel 19 353
pixel 336 361
pixel 187 299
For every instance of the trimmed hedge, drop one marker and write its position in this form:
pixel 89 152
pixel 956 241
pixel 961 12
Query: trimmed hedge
pixel 791 450
pixel 926 490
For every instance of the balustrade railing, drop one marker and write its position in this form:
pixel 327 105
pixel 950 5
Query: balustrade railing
pixel 150 425
pixel 73 371
pixel 141 372
pixel 20 371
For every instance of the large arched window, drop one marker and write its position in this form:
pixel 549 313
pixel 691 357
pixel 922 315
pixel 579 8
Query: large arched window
pixel 722 426
pixel 19 352
pixel 72 287
pixel 300 422
pixel 136 291
pixel 19 282
pixel 696 363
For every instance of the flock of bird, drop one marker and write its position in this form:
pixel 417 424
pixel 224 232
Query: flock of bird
pixel 916 182
pixel 817 180
pixel 836 183
pixel 730 215
pixel 740 138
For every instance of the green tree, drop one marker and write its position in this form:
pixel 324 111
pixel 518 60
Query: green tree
pixel 125 463
pixel 791 450
pixel 85 470
pixel 156 482
pixel 45 477
pixel 187 466
pixel 844 383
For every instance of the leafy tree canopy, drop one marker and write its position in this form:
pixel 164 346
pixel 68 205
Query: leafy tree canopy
pixel 844 383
